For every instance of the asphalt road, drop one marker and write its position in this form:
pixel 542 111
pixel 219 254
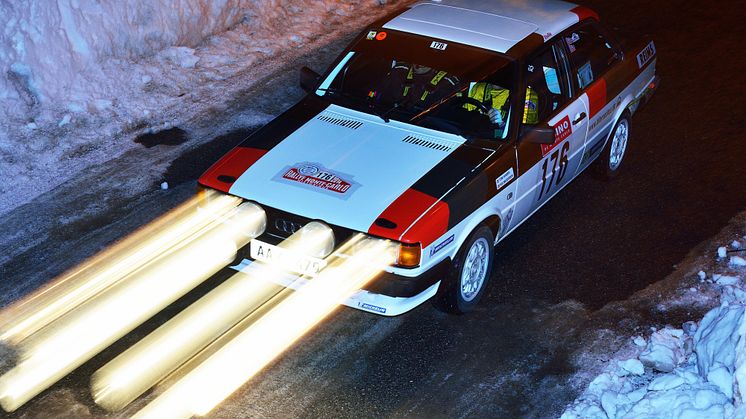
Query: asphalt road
pixel 592 247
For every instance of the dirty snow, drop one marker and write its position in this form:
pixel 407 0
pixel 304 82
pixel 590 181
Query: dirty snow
pixel 696 371
pixel 78 79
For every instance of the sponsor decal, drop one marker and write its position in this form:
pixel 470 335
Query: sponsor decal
pixel 440 246
pixel 371 307
pixel 381 36
pixel 316 177
pixel 571 40
pixel 504 178
pixel 506 223
pixel 441 46
pixel 585 75
pixel 562 130
pixel 371 35
pixel 604 116
pixel 646 55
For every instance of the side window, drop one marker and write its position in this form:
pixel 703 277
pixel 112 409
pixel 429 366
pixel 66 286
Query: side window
pixel 544 91
pixel 590 53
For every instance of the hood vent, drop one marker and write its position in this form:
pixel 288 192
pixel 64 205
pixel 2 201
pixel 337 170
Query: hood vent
pixel 343 122
pixel 429 143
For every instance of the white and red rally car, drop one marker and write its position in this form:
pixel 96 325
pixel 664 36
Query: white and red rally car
pixel 443 128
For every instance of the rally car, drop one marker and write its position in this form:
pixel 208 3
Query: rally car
pixel 443 127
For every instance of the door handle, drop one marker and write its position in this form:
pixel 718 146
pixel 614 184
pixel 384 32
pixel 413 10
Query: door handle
pixel 580 118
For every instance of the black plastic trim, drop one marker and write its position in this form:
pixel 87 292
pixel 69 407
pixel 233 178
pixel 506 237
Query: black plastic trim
pixel 394 285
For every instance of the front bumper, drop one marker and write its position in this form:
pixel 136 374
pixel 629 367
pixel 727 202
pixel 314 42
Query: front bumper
pixel 391 294
pixel 388 295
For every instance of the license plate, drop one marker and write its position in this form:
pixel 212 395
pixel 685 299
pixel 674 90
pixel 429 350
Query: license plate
pixel 277 256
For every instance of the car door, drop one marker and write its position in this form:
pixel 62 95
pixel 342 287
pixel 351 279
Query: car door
pixel 545 168
pixel 591 55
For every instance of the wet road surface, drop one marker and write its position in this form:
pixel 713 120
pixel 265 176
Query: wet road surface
pixel 596 243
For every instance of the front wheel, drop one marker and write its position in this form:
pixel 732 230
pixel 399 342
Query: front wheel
pixel 470 272
pixel 608 164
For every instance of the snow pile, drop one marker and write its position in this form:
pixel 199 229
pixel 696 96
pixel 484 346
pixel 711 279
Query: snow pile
pixel 54 51
pixel 49 50
pixel 698 371
pixel 76 76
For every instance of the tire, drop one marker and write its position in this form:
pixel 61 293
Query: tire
pixel 464 285
pixel 611 159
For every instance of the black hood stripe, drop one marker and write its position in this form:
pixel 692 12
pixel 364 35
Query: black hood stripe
pixel 267 137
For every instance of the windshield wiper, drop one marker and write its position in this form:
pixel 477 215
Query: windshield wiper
pixel 370 107
pixel 385 114
pixel 339 93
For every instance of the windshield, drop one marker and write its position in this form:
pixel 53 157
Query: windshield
pixel 446 86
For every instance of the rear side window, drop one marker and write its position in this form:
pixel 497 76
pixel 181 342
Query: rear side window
pixel 590 53
pixel 544 91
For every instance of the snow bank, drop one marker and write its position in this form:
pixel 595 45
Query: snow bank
pixel 698 371
pixel 49 50
pixel 79 77
pixel 52 51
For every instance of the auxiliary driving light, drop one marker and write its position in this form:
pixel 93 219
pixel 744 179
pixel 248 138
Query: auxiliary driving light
pixel 148 362
pixel 77 336
pixel 218 376
pixel 318 238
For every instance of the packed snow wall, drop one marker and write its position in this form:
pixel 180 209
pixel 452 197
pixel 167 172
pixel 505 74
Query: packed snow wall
pixel 47 47
pixel 52 50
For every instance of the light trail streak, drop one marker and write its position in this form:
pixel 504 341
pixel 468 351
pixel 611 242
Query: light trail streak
pixel 105 269
pixel 210 382
pixel 143 365
pixel 65 344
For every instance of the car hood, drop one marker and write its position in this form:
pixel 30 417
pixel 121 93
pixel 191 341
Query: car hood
pixel 345 167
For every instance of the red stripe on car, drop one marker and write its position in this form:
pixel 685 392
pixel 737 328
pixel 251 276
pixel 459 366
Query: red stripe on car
pixel 596 97
pixel 223 173
pixel 405 211
pixel 585 13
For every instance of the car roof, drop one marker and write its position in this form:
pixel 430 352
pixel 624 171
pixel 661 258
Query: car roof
pixel 494 25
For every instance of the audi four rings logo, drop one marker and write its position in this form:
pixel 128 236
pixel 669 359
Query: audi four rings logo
pixel 286 226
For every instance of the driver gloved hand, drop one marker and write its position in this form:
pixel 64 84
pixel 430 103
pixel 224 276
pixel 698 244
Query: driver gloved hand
pixel 496 117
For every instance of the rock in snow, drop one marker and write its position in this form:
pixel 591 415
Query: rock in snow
pixel 633 366
pixel 666 382
pixel 722 252
pixel 737 261
pixel 640 341
pixel 665 350
pixel 725 279
pixel 715 345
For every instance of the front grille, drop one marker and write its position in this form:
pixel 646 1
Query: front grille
pixel 281 225
pixel 286 226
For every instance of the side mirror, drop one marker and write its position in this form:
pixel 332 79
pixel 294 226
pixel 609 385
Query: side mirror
pixel 538 134
pixel 308 79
